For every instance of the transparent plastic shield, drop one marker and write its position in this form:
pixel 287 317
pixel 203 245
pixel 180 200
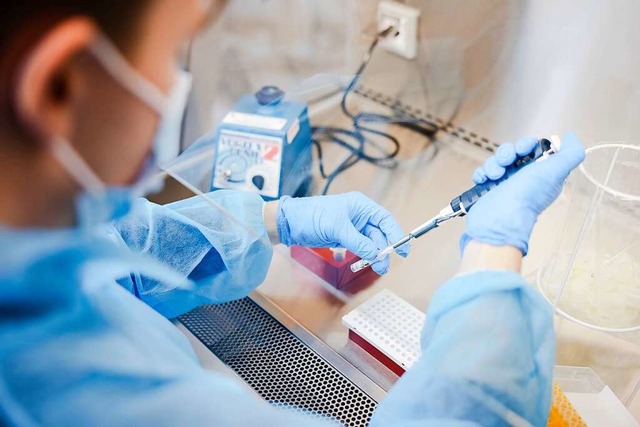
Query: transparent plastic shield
pixel 204 168
pixel 593 276
pixel 329 138
pixel 359 131
pixel 333 132
pixel 265 149
pixel 317 88
pixel 194 169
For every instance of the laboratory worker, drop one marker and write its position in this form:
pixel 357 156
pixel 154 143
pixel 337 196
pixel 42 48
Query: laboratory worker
pixel 90 273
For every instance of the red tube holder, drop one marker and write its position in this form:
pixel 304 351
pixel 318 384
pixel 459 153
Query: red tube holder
pixel 333 269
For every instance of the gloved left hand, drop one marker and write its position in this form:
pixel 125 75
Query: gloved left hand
pixel 506 215
pixel 351 220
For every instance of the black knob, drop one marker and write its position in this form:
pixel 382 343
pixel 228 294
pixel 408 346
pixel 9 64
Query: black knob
pixel 258 181
pixel 269 95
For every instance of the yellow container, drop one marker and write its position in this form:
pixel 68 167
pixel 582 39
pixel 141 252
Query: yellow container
pixel 563 414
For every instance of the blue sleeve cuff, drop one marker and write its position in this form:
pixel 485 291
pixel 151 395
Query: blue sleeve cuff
pixel 219 244
pixel 284 232
pixel 490 331
pixel 464 288
pixel 241 208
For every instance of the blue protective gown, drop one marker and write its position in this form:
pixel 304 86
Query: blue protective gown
pixel 85 340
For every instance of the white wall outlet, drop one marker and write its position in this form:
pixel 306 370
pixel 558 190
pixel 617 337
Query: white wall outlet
pixel 405 20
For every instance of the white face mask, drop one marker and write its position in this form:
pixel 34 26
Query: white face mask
pixel 99 202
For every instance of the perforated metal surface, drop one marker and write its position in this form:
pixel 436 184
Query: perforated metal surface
pixel 276 364
pixel 449 128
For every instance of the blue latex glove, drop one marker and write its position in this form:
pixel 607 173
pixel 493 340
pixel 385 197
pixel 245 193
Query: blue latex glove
pixel 350 220
pixel 506 215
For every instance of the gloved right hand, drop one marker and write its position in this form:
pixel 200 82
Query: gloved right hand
pixel 506 215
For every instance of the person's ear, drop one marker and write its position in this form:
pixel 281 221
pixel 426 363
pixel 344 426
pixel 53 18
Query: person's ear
pixel 44 86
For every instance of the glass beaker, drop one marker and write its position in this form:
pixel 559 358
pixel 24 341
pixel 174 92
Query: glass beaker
pixel 593 276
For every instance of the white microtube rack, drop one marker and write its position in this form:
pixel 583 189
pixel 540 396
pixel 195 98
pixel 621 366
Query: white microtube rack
pixel 388 328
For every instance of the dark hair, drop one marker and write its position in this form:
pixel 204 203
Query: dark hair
pixel 23 22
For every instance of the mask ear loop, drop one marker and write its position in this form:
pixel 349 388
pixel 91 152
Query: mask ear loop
pixel 121 71
pixel 76 166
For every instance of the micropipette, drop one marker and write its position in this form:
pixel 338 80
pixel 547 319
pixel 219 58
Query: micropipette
pixel 460 205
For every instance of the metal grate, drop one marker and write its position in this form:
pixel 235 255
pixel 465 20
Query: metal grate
pixel 277 365
pixel 416 113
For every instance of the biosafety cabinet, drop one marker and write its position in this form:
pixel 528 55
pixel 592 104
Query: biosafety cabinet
pixel 484 72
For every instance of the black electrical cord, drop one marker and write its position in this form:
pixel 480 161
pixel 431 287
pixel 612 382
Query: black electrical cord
pixel 358 135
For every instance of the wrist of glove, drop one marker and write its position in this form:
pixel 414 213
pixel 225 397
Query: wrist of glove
pixel 515 230
pixel 507 214
pixel 284 231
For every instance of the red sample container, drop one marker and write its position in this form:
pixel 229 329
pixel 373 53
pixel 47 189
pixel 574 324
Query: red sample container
pixel 333 267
